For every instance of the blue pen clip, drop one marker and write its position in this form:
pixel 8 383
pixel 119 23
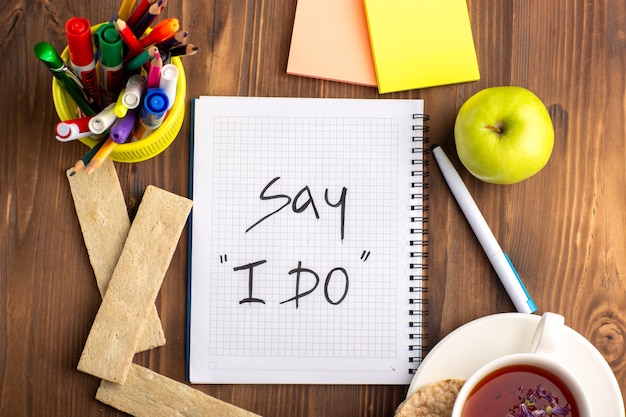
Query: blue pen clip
pixel 529 301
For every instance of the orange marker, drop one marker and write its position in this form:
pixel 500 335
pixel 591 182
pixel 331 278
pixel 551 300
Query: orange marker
pixel 162 31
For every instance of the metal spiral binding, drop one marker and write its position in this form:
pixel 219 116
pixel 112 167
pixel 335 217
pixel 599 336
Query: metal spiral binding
pixel 418 304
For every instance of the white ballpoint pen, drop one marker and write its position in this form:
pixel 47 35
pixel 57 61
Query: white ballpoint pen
pixel 499 259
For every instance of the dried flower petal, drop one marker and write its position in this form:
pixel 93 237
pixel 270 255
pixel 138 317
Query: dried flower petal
pixel 529 406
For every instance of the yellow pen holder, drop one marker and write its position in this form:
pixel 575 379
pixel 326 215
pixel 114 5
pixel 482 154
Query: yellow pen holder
pixel 143 149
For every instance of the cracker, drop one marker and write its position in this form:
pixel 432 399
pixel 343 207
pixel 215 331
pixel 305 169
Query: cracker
pixel 134 285
pixel 104 221
pixel 149 394
pixel 432 400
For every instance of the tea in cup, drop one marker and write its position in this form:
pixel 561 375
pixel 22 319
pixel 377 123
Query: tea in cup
pixel 523 384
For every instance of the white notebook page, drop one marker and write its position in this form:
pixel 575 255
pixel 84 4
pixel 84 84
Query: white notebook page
pixel 300 240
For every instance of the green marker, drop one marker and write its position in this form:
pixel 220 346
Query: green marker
pixel 64 75
pixel 111 72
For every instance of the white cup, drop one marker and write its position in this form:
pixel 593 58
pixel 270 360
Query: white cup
pixel 541 359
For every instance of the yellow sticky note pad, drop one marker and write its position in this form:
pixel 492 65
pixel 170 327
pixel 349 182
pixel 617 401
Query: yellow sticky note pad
pixel 421 43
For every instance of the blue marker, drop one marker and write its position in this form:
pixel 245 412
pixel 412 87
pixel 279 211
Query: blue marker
pixel 153 112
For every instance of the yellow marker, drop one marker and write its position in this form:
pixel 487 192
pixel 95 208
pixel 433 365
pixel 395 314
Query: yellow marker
pixel 120 108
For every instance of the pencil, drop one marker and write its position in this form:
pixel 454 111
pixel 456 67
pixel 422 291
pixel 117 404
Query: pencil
pixel 125 9
pixel 140 10
pixel 179 38
pixel 154 74
pixel 184 50
pixel 146 20
pixel 129 39
pixel 141 59
pixel 82 162
pixel 101 156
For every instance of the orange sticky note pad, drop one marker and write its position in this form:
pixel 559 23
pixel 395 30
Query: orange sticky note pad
pixel 330 41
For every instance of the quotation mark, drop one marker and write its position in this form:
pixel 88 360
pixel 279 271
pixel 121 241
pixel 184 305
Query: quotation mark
pixel 365 255
pixel 223 258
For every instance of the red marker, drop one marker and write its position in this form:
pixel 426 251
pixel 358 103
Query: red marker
pixel 80 47
pixel 73 129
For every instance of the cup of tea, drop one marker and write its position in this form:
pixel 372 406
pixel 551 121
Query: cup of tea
pixel 523 384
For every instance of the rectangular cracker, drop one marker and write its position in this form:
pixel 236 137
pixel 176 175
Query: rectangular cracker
pixel 104 221
pixel 134 285
pixel 149 394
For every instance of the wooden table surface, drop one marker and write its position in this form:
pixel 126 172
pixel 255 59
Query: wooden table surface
pixel 564 228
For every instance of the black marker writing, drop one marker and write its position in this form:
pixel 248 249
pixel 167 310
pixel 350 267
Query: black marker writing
pixel 345 288
pixel 263 197
pixel 298 295
pixel 306 204
pixel 298 271
pixel 301 202
pixel 341 203
pixel 250 267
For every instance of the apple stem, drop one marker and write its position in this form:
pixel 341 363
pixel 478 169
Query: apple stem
pixel 496 129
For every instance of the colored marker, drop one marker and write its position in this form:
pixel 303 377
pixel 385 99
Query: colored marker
pixel 103 120
pixel 111 74
pixel 65 77
pixel 133 91
pixel 101 155
pixel 499 259
pixel 73 129
pixel 169 80
pixel 162 31
pixel 120 108
pixel 154 73
pixel 80 46
pixel 121 129
pixel 138 61
pixel 155 104
pixel 134 47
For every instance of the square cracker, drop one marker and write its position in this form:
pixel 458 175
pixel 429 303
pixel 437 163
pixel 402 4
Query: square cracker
pixel 134 285
pixel 149 394
pixel 104 221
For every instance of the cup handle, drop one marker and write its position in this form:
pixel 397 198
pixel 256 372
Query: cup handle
pixel 547 335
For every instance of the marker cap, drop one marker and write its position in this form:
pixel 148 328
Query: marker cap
pixel 163 30
pixel 111 46
pixel 133 91
pixel 49 56
pixel 120 131
pixel 169 81
pixel 154 107
pixel 79 41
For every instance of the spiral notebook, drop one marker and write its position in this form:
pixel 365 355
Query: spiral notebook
pixel 308 240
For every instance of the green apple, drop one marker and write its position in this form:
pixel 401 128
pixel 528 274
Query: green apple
pixel 504 135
